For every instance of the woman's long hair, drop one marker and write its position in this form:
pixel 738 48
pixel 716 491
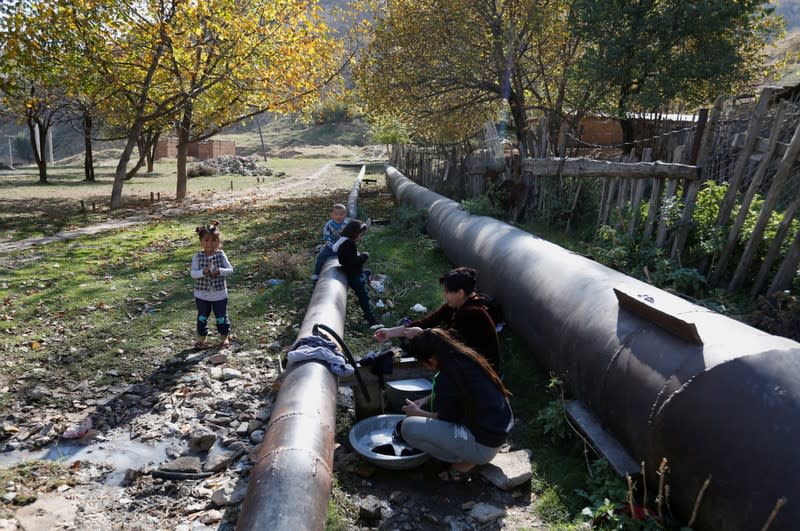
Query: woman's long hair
pixel 450 351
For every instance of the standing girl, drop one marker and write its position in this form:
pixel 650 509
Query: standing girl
pixel 209 269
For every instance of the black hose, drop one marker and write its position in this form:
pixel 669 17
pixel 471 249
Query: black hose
pixel 347 354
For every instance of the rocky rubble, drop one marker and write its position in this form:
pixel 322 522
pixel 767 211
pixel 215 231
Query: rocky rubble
pixel 229 165
pixel 204 413
pixel 208 409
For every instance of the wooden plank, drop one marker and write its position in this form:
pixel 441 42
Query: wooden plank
pixel 743 161
pixel 775 247
pixel 755 183
pixel 638 193
pixel 655 204
pixel 771 198
pixel 762 146
pixel 661 234
pixel 703 142
pixel 786 272
pixel 578 167
pixel 602 441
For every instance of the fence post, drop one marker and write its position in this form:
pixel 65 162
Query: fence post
pixel 602 203
pixel 778 180
pixel 701 147
pixel 775 246
pixel 755 182
pixel 606 207
pixel 783 278
pixel 638 192
pixel 742 162
pixel 661 235
pixel 652 209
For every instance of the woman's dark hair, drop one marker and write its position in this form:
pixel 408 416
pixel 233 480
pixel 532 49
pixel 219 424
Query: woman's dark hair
pixel 459 278
pixel 353 229
pixel 450 352
pixel 212 229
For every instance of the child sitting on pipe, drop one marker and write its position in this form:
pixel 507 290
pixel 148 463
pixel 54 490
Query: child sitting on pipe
pixel 352 263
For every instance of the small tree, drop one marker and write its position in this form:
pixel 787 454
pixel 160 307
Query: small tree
pixel 388 130
pixel 647 54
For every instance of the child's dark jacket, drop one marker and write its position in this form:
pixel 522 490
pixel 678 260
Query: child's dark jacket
pixel 349 258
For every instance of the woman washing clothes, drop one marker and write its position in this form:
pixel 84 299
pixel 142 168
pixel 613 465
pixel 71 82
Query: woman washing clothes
pixel 467 417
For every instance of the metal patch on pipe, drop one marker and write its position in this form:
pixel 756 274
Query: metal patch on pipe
pixel 645 306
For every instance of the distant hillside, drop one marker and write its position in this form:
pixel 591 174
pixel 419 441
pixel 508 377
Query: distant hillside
pixel 790 9
pixel 279 133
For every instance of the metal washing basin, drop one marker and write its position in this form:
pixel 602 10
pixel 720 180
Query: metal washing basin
pixel 376 432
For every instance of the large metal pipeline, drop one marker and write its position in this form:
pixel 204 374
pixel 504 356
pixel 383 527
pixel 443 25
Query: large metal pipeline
pixel 352 198
pixel 728 408
pixel 291 481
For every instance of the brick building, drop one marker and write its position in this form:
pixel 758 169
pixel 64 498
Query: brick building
pixel 207 149
pixel 166 148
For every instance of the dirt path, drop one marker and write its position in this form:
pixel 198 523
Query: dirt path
pixel 198 202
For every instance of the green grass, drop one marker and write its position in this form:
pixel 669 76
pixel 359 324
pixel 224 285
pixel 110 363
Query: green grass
pixel 30 210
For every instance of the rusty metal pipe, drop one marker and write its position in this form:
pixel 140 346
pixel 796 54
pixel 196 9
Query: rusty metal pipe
pixel 352 199
pixel 291 481
pixel 728 408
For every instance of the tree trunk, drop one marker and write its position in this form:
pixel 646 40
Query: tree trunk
pixel 88 160
pixel 151 152
pixel 135 130
pixel 627 134
pixel 517 107
pixel 184 134
pixel 119 174
pixel 141 145
pixel 37 147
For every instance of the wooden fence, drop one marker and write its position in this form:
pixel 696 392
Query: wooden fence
pixel 753 146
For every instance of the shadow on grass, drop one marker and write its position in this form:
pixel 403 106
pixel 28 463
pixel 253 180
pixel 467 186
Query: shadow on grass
pixel 136 311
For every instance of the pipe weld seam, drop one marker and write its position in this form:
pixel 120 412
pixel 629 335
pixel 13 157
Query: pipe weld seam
pixel 282 417
pixel 317 459
pixel 624 343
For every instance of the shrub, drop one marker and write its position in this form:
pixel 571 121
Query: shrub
pixel 485 204
pixel 285 265
pixel 409 220
pixel 686 280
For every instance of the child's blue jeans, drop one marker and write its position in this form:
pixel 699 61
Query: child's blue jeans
pixel 220 309
pixel 358 282
pixel 324 253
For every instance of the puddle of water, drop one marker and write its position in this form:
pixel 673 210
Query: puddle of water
pixel 121 454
